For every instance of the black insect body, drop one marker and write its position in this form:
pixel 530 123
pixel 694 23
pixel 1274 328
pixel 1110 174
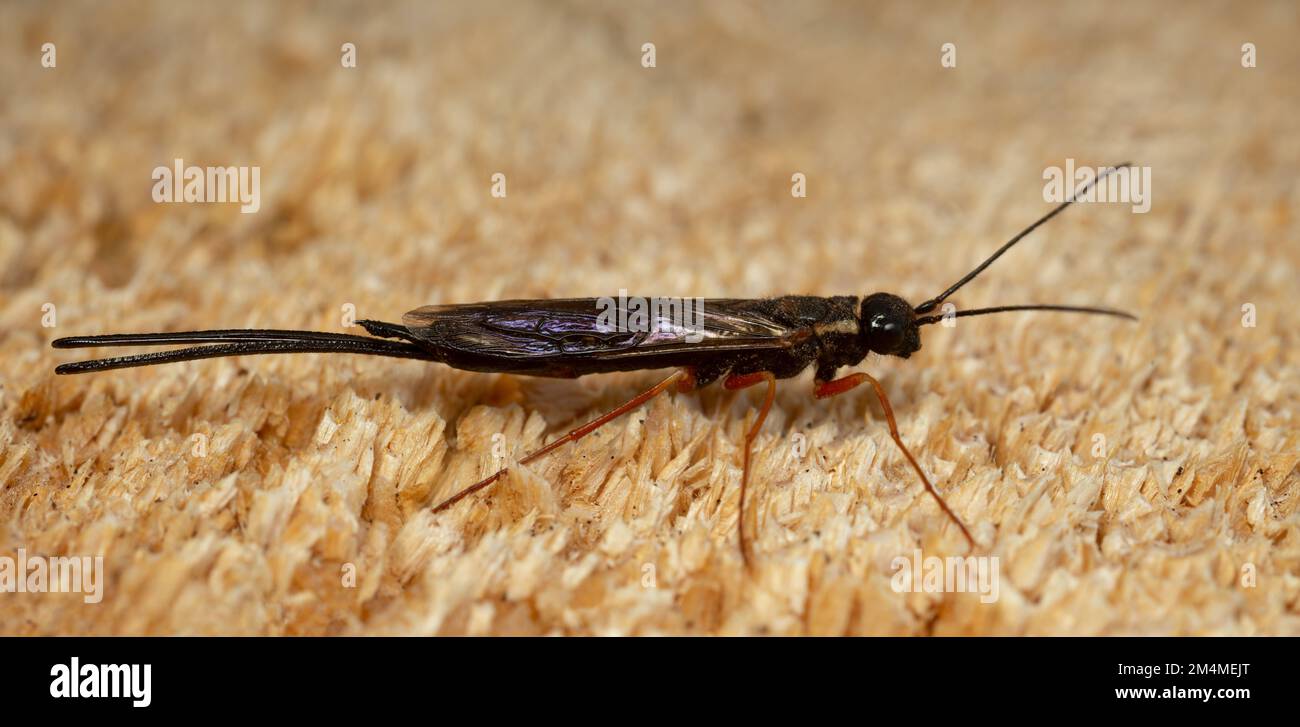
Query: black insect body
pixel 742 342
pixel 562 338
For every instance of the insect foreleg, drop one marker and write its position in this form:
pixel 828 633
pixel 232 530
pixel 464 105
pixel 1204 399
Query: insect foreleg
pixel 825 389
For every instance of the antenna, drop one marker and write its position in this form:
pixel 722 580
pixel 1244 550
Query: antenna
pixel 925 320
pixel 933 303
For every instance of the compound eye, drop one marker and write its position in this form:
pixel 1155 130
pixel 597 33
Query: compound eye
pixel 885 330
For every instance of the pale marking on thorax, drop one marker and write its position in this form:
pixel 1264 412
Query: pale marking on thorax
pixel 846 326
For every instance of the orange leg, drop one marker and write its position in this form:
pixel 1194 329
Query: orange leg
pixel 824 389
pixel 827 389
pixel 734 383
pixel 684 379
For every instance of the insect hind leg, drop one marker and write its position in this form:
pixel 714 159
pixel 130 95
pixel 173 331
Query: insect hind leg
pixel 684 380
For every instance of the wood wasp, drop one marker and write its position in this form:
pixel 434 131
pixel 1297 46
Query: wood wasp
pixel 742 342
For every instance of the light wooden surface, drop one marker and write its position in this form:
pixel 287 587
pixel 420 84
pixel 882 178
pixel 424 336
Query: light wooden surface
pixel 670 180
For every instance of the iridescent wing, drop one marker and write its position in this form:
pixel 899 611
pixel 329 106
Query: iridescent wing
pixel 601 328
